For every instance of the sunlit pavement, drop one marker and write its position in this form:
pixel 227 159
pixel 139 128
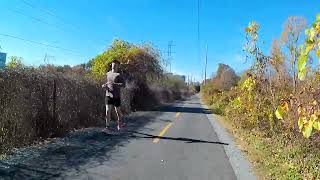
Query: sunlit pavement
pixel 174 142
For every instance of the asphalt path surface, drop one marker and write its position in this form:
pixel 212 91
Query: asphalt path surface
pixel 168 143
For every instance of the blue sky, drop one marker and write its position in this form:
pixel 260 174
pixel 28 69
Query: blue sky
pixel 87 27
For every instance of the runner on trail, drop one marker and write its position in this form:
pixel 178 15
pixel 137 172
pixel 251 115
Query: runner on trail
pixel 112 100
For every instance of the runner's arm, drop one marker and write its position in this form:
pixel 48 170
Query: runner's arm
pixel 121 82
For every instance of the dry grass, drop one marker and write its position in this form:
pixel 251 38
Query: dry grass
pixel 274 158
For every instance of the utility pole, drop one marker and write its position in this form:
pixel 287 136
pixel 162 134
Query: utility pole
pixel 205 66
pixel 45 59
pixel 198 33
pixel 169 52
pixel 191 79
pixel 187 79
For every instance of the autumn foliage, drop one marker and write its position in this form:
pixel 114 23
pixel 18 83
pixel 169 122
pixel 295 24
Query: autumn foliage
pixel 50 101
pixel 279 95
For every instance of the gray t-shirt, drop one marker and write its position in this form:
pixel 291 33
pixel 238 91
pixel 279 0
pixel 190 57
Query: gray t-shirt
pixel 113 89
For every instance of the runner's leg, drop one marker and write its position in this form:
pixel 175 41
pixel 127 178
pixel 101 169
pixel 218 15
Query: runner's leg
pixel 108 114
pixel 119 116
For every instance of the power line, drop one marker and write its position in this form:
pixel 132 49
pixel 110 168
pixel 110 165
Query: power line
pixel 40 43
pixel 44 22
pixel 35 19
pixel 46 11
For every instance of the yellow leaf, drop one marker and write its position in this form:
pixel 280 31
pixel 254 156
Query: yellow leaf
pixel 299 110
pixel 316 125
pixel 318 53
pixel 307 130
pixel 317 112
pixel 314 103
pixel 318 29
pixel 285 106
pixel 309 48
pixel 301 122
pixel 313 117
pixel 279 112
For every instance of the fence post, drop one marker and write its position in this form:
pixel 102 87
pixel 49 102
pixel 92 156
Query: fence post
pixel 54 98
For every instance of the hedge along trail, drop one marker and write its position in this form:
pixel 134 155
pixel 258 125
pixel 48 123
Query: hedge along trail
pixel 39 105
pixel 49 101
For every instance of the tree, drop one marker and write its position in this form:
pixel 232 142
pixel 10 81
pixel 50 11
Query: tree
pixel 15 63
pixel 290 37
pixel 277 59
pixel 225 78
pixel 141 62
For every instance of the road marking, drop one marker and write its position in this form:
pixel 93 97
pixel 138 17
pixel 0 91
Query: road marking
pixel 156 140
pixel 178 114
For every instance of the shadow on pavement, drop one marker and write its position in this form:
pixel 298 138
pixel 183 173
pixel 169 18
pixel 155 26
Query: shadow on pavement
pixel 186 140
pixel 192 103
pixel 67 154
pixel 184 109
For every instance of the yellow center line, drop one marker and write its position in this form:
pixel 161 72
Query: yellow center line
pixel 156 140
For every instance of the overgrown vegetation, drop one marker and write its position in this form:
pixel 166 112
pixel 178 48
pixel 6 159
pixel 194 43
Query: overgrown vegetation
pixel 277 100
pixel 35 104
pixel 142 70
pixel 215 88
pixel 49 101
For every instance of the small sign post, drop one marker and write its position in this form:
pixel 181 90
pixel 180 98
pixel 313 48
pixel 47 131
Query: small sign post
pixel 3 57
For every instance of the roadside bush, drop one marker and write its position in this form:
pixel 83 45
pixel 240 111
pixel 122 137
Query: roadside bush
pixel 144 76
pixel 39 105
pixel 49 101
pixel 277 99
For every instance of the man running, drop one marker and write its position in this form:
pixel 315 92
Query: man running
pixel 112 100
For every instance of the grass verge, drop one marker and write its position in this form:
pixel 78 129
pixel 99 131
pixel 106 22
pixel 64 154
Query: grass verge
pixel 275 158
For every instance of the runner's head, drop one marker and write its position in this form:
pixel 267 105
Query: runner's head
pixel 115 65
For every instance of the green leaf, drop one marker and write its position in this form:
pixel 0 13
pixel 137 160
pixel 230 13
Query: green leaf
pixel 311 34
pixel 302 69
pixel 307 32
pixel 307 130
pixel 302 74
pixel 318 17
pixel 238 101
pixel 279 113
pixel 316 125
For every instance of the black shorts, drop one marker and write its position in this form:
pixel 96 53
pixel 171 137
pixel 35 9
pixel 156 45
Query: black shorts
pixel 112 101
